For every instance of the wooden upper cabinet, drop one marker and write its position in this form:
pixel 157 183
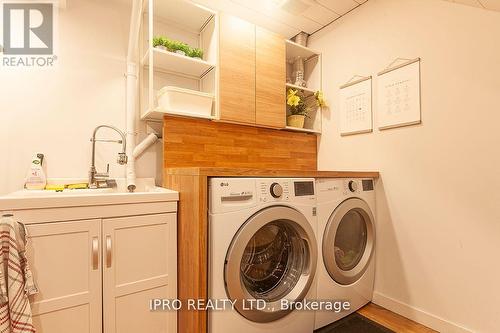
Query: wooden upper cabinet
pixel 270 78
pixel 237 70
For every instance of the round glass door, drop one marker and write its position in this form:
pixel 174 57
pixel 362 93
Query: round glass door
pixel 348 241
pixel 272 261
pixel 272 257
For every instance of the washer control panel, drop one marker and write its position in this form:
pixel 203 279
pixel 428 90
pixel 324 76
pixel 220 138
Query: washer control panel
pixel 273 190
pixel 233 194
pixel 276 190
pixel 282 189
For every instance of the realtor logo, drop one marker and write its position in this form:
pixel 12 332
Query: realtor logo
pixel 28 28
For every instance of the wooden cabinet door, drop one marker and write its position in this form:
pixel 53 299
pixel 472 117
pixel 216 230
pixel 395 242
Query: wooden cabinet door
pixel 270 67
pixel 139 264
pixel 237 70
pixel 65 261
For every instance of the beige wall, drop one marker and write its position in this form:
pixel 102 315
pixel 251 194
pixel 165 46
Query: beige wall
pixel 438 258
pixel 55 111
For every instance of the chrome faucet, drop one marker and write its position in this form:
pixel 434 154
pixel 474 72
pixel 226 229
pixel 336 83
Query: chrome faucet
pixel 100 180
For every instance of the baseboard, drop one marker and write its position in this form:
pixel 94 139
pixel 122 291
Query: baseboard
pixel 418 315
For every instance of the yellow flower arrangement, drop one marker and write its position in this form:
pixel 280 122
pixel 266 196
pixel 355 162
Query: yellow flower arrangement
pixel 292 99
pixel 298 104
pixel 320 99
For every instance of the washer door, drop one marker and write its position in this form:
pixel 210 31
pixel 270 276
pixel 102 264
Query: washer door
pixel 348 241
pixel 271 257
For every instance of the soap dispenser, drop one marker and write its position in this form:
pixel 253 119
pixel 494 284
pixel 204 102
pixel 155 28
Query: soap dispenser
pixel 35 179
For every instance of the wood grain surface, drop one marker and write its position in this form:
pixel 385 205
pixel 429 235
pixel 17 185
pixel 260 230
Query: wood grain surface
pixel 204 143
pixel 270 78
pixel 392 320
pixel 237 70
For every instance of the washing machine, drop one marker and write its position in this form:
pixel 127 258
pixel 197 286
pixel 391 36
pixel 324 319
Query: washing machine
pixel 262 254
pixel 346 244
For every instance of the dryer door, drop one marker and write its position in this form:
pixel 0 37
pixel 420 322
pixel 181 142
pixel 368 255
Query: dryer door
pixel 348 241
pixel 271 257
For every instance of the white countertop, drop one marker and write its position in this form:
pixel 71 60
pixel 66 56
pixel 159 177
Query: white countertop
pixel 146 191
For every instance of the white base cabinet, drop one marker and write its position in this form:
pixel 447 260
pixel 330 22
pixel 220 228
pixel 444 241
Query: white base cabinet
pixel 64 262
pixel 99 275
pixel 139 265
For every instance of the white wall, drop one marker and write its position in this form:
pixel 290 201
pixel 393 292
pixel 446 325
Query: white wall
pixel 438 198
pixel 55 111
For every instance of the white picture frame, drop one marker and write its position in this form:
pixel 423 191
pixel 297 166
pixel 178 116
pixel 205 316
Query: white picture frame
pixel 398 97
pixel 356 107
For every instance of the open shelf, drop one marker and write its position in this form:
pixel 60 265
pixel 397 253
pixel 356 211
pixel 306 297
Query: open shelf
pixel 176 63
pixel 307 130
pixel 294 50
pixel 308 91
pixel 181 13
pixel 156 114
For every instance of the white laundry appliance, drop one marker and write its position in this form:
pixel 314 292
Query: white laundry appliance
pixel 346 244
pixel 262 246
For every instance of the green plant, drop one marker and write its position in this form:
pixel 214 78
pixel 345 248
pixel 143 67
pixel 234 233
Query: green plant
pixel 157 41
pixel 196 53
pixel 165 42
pixel 175 45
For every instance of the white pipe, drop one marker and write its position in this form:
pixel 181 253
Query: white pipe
pixel 141 147
pixel 131 77
pixel 135 23
pixel 131 133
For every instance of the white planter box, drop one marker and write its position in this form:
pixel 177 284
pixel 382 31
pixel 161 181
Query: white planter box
pixel 185 102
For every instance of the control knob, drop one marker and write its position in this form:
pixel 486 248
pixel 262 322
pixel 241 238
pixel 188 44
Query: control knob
pixel 276 190
pixel 353 186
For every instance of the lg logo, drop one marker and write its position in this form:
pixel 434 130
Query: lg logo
pixel 224 184
pixel 28 28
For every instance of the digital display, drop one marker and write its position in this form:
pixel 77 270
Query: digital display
pixel 367 184
pixel 304 188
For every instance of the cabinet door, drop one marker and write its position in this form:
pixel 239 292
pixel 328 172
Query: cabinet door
pixel 140 264
pixel 237 70
pixel 270 79
pixel 65 261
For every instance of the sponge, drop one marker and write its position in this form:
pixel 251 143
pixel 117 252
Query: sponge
pixel 54 187
pixel 79 186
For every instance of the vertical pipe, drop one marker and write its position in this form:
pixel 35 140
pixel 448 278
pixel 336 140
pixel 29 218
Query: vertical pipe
pixel 131 132
pixel 131 92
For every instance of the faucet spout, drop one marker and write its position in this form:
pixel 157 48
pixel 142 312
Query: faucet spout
pixel 122 157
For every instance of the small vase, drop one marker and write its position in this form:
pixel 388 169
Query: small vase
pixel 295 120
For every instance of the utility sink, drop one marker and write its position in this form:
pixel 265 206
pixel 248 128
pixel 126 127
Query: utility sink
pixel 146 191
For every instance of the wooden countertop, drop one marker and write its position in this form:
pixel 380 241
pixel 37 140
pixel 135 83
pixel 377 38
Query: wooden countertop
pixel 238 172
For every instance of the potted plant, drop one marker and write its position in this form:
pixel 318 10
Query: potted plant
pixel 196 53
pixel 299 107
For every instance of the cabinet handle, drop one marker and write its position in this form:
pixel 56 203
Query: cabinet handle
pixel 108 251
pixel 95 253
